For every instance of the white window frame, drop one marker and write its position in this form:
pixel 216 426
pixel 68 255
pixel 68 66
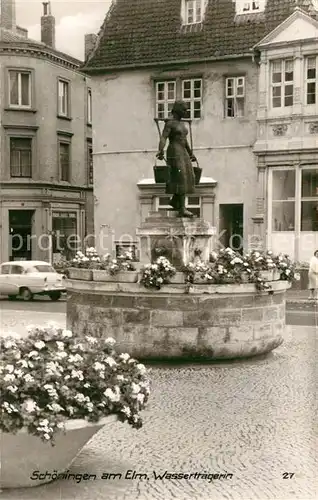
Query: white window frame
pixel 89 106
pixel 63 98
pixel 192 99
pixel 188 203
pixel 311 80
pixel 197 7
pixel 238 83
pixel 20 105
pixel 250 6
pixel 283 83
pixel 165 101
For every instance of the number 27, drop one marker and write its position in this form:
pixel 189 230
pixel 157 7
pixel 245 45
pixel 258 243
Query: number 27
pixel 288 475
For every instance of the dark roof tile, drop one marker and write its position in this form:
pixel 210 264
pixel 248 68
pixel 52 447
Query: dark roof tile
pixel 144 32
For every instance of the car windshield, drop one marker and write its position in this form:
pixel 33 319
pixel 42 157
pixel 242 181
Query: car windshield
pixel 42 268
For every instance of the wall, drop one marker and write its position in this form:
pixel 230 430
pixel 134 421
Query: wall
pixel 126 139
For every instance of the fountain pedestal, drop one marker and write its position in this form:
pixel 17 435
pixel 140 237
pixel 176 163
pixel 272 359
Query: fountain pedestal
pixel 179 239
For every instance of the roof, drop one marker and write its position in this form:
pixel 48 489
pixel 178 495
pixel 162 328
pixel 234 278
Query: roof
pixel 12 36
pixel 14 39
pixel 148 32
pixel 28 263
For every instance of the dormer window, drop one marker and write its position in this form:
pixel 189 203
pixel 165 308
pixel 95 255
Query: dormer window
pixel 192 11
pixel 250 6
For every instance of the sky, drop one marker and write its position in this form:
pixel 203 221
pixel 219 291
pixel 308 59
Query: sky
pixel 73 19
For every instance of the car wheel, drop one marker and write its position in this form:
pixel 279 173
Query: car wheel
pixel 12 297
pixel 25 294
pixel 55 296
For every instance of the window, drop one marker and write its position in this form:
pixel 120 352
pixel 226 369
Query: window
pixel 20 89
pixel 89 106
pixel 252 6
pixel 235 97
pixel 5 269
pixel 90 163
pixel 309 199
pixel 311 79
pixel 121 248
pixel 193 11
pixel 283 200
pixel 282 83
pixel 20 157
pixel 63 98
pixel 192 95
pixel 17 270
pixel 165 98
pixel 65 163
pixel 188 90
pixel 64 228
pixel 193 204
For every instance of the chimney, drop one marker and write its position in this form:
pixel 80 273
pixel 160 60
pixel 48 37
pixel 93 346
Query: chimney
pixel 90 41
pixel 8 20
pixel 48 26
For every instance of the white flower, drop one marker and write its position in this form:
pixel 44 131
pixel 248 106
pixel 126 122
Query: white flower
pixel 74 358
pixel 9 377
pixel 47 436
pixel 113 395
pixel 126 410
pixel 135 388
pixel 9 368
pixel 120 377
pixel 141 368
pixel 33 354
pixel 28 378
pixel 140 397
pixel 77 374
pixel 30 406
pixel 39 345
pixel 110 341
pixel 60 345
pixel 12 388
pixel 67 333
pixel 60 425
pixel 91 339
pixel 8 344
pixel 80 397
pixel 110 361
pixel 98 366
pixel 61 355
pixel 124 356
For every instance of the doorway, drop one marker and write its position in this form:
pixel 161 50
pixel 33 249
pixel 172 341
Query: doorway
pixel 231 226
pixel 20 234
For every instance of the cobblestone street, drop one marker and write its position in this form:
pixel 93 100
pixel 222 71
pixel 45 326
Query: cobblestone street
pixel 255 419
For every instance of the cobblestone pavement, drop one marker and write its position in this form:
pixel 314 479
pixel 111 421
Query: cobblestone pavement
pixel 255 419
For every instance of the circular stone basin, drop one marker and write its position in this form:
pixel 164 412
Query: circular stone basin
pixel 210 322
pixel 28 461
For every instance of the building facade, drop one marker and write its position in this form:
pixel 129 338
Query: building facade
pixel 45 144
pixel 150 53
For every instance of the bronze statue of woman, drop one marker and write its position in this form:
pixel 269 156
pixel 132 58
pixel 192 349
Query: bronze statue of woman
pixel 179 159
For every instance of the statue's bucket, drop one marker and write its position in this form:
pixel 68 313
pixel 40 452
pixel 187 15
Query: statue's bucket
pixel 161 174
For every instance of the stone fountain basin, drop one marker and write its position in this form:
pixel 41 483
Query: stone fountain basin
pixel 210 322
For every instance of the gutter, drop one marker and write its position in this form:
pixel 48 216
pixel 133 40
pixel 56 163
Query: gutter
pixel 103 69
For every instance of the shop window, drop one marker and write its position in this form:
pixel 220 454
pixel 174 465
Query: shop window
pixel 283 200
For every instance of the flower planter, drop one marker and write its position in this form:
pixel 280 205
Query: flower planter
pixel 178 278
pixel 75 273
pixel 245 277
pixel 273 275
pixel 24 457
pixel 121 277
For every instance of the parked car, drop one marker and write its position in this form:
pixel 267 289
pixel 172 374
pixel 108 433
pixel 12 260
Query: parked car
pixel 27 278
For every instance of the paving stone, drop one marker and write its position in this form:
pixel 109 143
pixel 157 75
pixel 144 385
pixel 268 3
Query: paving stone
pixel 254 418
